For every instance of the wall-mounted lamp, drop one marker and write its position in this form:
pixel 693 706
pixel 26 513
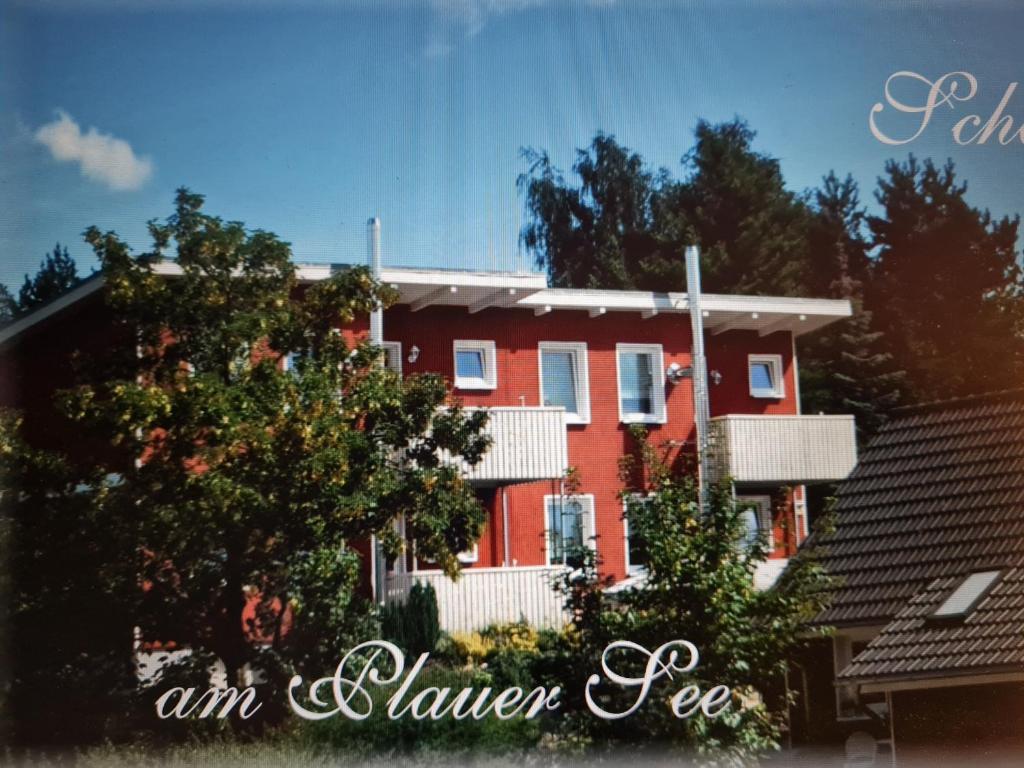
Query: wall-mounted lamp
pixel 414 354
pixel 676 373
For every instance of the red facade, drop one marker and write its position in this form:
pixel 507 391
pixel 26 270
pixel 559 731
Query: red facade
pixel 595 449
pixel 37 360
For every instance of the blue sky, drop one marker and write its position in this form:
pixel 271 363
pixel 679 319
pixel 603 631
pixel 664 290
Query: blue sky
pixel 306 118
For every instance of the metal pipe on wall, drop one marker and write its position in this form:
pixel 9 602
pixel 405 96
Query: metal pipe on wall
pixel 701 405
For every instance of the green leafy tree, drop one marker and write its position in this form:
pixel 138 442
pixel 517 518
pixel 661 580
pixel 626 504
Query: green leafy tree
pixel 845 367
pixel 57 274
pixel 605 232
pixel 698 586
pixel 945 284
pixel 242 484
pixel 624 226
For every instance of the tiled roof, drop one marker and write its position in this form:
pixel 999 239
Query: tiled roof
pixel 990 639
pixel 938 494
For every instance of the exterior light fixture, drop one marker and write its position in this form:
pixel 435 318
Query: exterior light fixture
pixel 414 354
pixel 675 373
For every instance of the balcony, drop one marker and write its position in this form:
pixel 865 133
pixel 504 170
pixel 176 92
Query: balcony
pixel 782 449
pixel 527 444
pixel 484 596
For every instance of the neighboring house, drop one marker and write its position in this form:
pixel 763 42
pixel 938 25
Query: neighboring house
pixel 563 373
pixel 928 547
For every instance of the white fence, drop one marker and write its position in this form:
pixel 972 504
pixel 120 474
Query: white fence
pixel 485 596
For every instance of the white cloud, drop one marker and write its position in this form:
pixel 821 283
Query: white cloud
pixel 472 15
pixel 100 156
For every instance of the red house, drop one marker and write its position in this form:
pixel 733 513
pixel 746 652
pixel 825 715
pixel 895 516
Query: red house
pixel 564 373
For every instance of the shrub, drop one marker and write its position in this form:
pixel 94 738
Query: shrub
pixel 413 625
pixel 378 735
pixel 471 648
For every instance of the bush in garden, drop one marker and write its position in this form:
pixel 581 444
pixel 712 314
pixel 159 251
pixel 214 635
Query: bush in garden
pixel 413 625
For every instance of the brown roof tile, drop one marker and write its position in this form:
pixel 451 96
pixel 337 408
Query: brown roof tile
pixel 938 494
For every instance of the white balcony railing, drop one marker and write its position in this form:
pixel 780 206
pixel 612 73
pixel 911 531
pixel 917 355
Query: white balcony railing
pixel 783 449
pixel 527 444
pixel 484 596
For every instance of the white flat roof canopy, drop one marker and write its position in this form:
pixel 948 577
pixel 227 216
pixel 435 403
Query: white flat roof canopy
pixel 420 288
pixel 480 290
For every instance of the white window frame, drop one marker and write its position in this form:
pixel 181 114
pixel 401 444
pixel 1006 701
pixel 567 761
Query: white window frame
pixel 393 353
pixel 775 362
pixel 589 511
pixel 469 556
pixel 490 364
pixel 764 515
pixel 657 396
pixel 631 570
pixel 582 384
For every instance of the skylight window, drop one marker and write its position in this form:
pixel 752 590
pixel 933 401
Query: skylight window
pixel 965 597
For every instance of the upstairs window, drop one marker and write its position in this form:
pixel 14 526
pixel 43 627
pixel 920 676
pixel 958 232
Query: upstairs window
pixel 641 383
pixel 475 365
pixel 564 379
pixel 570 528
pixel 765 372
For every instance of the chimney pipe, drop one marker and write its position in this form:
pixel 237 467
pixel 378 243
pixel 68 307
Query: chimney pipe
pixel 377 559
pixel 701 404
pixel 373 259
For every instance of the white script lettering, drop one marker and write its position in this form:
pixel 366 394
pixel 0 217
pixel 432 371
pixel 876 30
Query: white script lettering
pixel 952 89
pixel 662 662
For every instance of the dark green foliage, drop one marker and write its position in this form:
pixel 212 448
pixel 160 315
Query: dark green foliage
pixel 68 625
pixel 625 226
pixel 8 305
pixel 946 284
pixel 845 367
pixel 413 625
pixel 57 274
pixel 752 231
pixel 452 741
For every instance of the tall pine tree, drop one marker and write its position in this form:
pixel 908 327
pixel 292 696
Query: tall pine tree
pixel 751 229
pixel 57 274
pixel 845 367
pixel 945 285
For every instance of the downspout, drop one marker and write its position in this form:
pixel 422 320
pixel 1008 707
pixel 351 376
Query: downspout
pixel 504 526
pixel 892 727
pixel 376 337
pixel 701 405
